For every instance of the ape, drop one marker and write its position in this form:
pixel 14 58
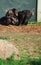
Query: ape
pixel 12 16
pixel 24 16
pixel 15 17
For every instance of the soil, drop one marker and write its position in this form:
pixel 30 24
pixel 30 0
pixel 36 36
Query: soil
pixel 25 29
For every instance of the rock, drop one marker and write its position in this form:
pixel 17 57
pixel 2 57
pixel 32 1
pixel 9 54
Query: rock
pixel 7 49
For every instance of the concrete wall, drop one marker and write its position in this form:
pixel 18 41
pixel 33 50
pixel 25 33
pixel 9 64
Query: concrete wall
pixel 39 11
pixel 5 5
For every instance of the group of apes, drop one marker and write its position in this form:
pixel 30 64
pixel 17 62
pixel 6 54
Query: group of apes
pixel 15 17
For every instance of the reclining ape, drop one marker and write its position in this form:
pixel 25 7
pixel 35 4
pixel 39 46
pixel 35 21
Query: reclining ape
pixel 24 16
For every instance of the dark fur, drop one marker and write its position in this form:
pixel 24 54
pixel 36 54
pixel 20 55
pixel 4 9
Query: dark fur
pixel 14 16
pixel 4 21
pixel 24 16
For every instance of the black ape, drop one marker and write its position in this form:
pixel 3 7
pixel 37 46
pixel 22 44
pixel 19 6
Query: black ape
pixel 24 16
pixel 16 18
pixel 12 16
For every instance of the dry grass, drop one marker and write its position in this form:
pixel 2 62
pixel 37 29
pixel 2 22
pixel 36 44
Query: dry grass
pixel 26 38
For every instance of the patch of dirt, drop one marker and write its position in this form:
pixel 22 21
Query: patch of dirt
pixel 25 29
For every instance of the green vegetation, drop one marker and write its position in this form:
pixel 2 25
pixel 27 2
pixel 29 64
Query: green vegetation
pixel 27 61
pixel 34 22
pixel 4 38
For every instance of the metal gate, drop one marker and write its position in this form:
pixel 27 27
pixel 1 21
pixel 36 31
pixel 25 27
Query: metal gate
pixel 19 4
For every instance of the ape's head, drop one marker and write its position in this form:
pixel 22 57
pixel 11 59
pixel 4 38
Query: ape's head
pixel 9 13
pixel 15 11
pixel 28 14
pixel 12 12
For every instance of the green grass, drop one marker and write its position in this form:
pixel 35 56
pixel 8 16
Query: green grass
pixel 4 38
pixel 34 22
pixel 26 61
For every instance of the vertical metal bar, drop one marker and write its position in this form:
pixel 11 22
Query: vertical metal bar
pixel 36 8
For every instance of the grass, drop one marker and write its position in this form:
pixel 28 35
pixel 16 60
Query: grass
pixel 26 61
pixel 4 38
pixel 34 22
pixel 28 44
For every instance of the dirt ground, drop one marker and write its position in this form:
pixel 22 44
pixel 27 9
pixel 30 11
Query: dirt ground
pixel 25 29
